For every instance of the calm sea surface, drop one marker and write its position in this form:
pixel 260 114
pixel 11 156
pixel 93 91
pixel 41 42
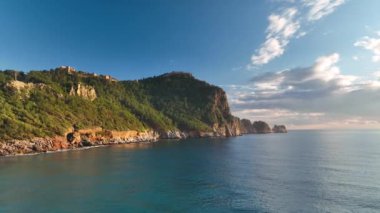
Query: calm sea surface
pixel 302 171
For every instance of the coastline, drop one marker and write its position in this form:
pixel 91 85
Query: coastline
pixel 58 144
pixel 98 137
pixel 72 109
pixel 72 149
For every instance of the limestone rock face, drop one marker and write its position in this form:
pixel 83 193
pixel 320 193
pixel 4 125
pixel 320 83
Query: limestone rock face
pixel 225 129
pixel 85 91
pixel 220 104
pixel 20 86
pixel 173 134
pixel 206 134
pixel 233 128
pixel 279 129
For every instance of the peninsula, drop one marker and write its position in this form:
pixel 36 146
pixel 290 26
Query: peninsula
pixel 59 109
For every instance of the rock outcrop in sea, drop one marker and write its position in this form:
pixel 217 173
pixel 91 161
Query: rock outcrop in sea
pixel 246 127
pixel 279 129
pixel 257 127
pixel 261 127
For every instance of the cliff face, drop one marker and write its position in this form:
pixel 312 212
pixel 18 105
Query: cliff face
pixel 197 108
pixel 231 128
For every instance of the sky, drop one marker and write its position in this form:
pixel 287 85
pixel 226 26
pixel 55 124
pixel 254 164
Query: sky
pixel 308 64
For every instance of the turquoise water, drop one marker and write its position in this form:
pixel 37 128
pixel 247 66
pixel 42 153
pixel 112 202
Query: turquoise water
pixel 302 171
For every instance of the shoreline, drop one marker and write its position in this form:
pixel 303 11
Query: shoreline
pixel 104 145
pixel 77 148
pixel 84 141
pixel 65 150
pixel 15 148
pixel 95 137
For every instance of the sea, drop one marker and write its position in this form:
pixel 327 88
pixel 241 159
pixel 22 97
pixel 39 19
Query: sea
pixel 302 171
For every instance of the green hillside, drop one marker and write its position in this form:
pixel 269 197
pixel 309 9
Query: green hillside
pixel 48 103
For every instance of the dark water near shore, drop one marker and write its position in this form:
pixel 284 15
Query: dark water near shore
pixel 303 171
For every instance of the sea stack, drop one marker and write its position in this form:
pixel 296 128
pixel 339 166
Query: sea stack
pixel 279 129
pixel 261 127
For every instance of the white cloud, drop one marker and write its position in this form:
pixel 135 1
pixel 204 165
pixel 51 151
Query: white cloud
pixel 286 25
pixel 324 68
pixel 283 25
pixel 321 8
pixel 301 34
pixel 272 48
pixel 314 96
pixel 281 28
pixel 355 58
pixel 371 44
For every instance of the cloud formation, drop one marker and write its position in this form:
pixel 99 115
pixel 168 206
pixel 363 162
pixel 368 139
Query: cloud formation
pixel 318 95
pixel 286 24
pixel 281 28
pixel 371 44
pixel 320 8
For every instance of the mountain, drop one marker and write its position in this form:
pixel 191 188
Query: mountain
pixel 63 108
pixel 192 105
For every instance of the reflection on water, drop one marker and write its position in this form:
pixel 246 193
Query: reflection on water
pixel 297 172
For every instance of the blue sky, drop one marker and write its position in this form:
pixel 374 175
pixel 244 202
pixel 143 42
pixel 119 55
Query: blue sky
pixel 267 54
pixel 131 39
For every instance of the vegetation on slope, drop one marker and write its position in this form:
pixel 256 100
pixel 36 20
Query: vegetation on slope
pixel 191 104
pixel 43 105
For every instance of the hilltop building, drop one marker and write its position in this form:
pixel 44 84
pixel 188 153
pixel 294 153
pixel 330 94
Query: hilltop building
pixel 68 69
